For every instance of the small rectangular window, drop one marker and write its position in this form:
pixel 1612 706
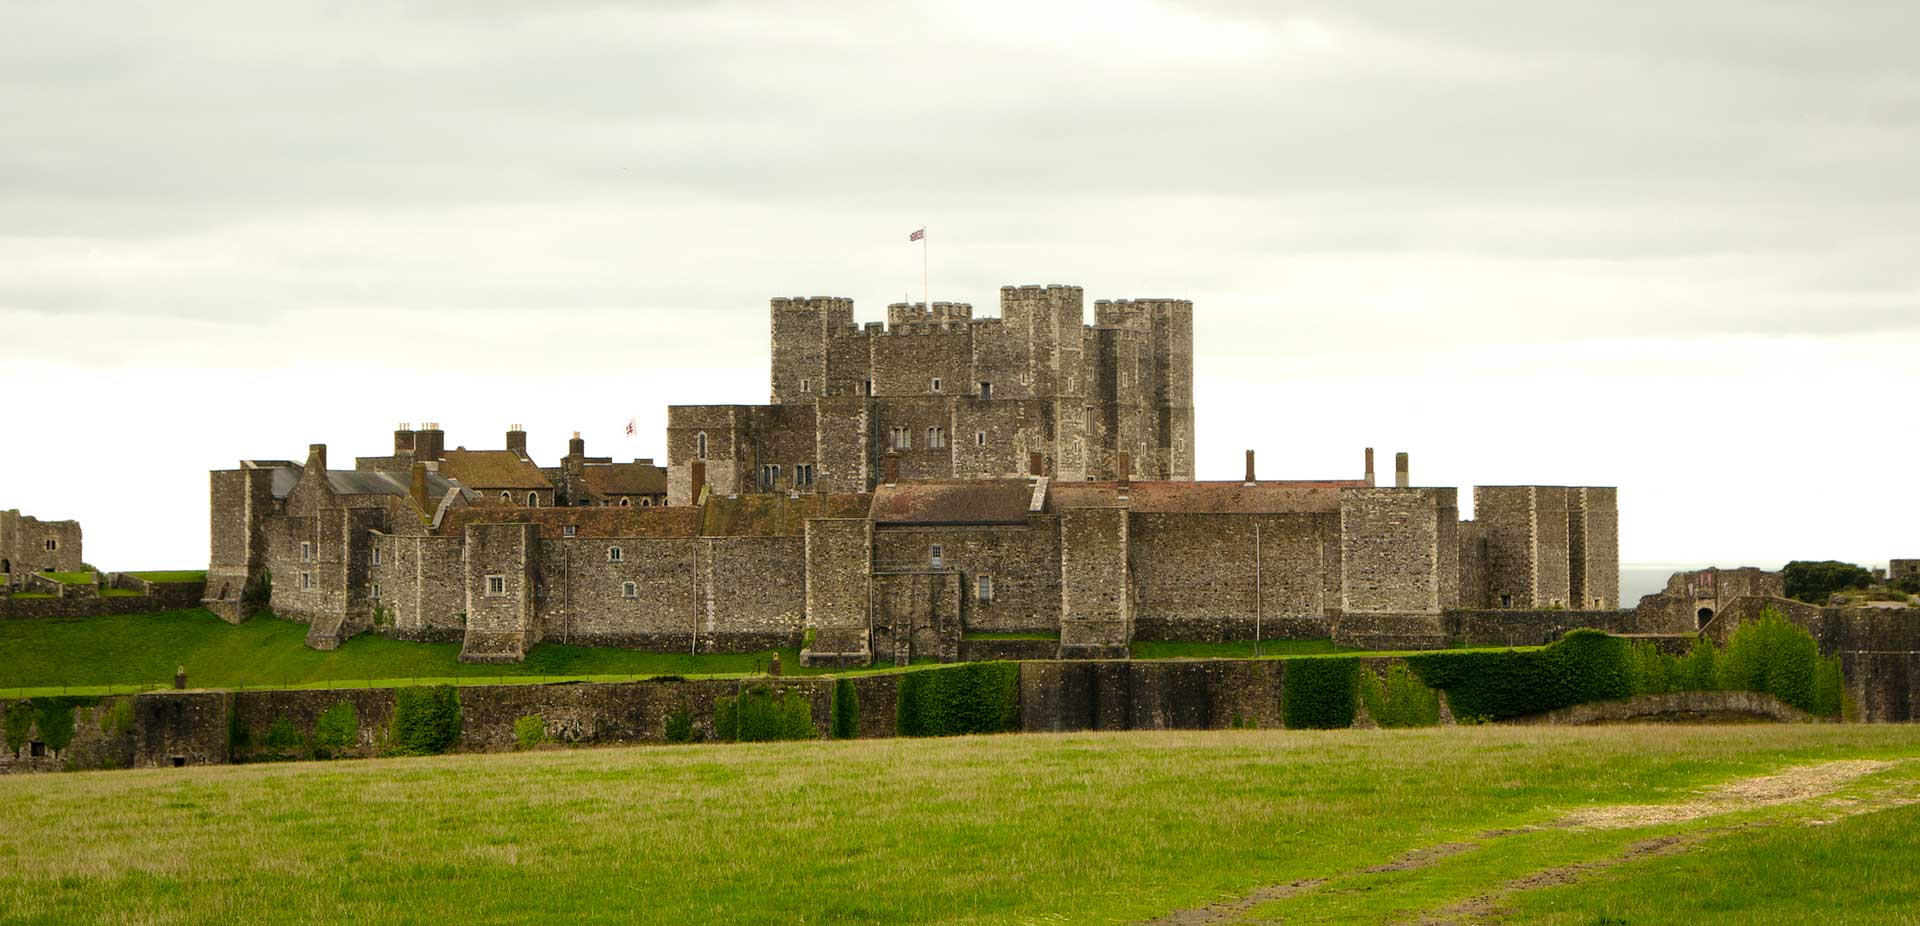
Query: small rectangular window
pixel 613 554
pixel 806 385
pixel 986 390
pixel 803 475
pixel 376 556
pixel 306 580
pixel 496 585
pixel 629 590
pixel 373 592
pixel 569 531
pixel 980 438
pixel 936 384
pixel 938 557
pixel 983 589
pixel 306 552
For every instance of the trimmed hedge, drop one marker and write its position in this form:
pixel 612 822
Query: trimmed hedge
pixel 1318 693
pixel 679 726
pixel 426 719
pixel 1771 655
pixel 970 697
pixel 757 715
pixel 1583 666
pixel 529 730
pixel 1400 700
pixel 846 710
pixel 338 727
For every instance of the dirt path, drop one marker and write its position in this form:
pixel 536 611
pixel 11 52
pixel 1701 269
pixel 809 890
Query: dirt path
pixel 1797 784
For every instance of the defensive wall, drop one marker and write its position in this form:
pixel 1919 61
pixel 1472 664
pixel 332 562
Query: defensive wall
pixel 146 598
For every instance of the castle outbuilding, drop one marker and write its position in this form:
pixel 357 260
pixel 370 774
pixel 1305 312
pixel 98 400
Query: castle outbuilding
pixel 923 488
pixel 29 545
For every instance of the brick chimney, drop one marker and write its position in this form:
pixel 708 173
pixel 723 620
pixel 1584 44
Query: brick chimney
pixel 417 484
pixel 317 456
pixel 1250 479
pixel 1400 478
pixel 1369 466
pixel 575 446
pixel 403 440
pixel 430 443
pixel 517 440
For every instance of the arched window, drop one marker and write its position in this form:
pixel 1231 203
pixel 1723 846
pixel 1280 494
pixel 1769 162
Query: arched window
pixel 533 499
pixel 700 446
pixel 626 502
pixel 506 496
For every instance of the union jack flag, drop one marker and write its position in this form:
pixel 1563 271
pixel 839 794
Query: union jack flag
pixel 630 427
pixel 917 235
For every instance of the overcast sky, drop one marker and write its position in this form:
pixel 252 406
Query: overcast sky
pixel 1669 247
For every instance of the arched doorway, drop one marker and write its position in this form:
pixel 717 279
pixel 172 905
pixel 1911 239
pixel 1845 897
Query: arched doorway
pixel 1705 615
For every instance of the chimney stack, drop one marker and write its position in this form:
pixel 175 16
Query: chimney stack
pixel 1250 479
pixel 1369 466
pixel 317 456
pixel 576 447
pixel 430 443
pixel 516 440
pixel 417 484
pixel 403 440
pixel 1400 480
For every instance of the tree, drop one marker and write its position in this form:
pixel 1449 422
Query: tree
pixel 1815 582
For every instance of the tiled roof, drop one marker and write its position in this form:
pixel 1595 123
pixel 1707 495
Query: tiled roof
pixel 368 482
pixel 493 469
pixel 997 501
pixel 775 515
pixel 1270 497
pixel 624 479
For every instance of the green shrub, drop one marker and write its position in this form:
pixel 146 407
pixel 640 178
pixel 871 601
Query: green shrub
pixel 283 736
pixel 679 725
pixel 530 731
pixel 1815 582
pixel 1700 670
pixel 54 717
pixel 1778 657
pixel 1243 722
pixel 846 710
pixel 338 727
pixel 757 714
pixel 1318 693
pixel 972 697
pixel 1583 666
pixel 19 724
pixel 118 718
pixel 426 719
pixel 1399 701
pixel 258 593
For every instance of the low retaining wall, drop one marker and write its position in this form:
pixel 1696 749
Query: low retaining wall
pixel 1677 707
pixel 15 607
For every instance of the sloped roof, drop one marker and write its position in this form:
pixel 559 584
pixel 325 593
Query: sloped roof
pixel 493 469
pixel 624 478
pixel 372 482
pixel 1271 497
pixel 995 501
pixel 775 515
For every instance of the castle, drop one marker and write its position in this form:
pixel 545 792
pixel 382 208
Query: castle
pixel 29 545
pixel 915 489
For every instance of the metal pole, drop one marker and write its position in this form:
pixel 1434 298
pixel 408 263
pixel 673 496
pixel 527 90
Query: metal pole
pixel 1257 603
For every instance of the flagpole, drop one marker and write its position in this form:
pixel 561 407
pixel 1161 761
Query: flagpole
pixel 926 292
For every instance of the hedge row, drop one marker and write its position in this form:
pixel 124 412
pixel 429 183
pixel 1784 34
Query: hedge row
pixel 426 720
pixel 1400 699
pixel 971 697
pixel 1317 692
pixel 757 714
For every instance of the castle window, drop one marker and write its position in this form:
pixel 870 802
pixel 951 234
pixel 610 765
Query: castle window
pixel 496 585
pixel 769 477
pixel 646 501
pixel 936 384
pixel 53 544
pixel 986 390
pixel 806 385
pixel 938 557
pixel 936 438
pixel 803 475
pixel 983 589
pixel 869 387
pixel 980 438
pixel 629 590
pixel 626 502
pixel 613 554
pixel 700 446
pixel 373 591
pixel 306 580
pixel 376 556
pixel 539 591
pixel 903 438
pixel 506 496
pixel 533 499
pixel 1506 601
pixel 306 551
pixel 569 531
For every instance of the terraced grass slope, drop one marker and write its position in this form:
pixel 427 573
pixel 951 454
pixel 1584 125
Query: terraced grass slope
pixel 1640 825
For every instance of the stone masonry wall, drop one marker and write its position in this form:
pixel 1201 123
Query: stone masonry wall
pixel 1096 617
pixel 839 557
pixel 1194 575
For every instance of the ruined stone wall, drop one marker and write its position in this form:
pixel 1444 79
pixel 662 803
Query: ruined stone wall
pixel 1532 628
pixel 1022 562
pixel 23 545
pixel 1096 589
pixel 103 738
pixel 1194 575
pixel 839 556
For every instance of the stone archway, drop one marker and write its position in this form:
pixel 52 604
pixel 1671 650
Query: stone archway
pixel 1706 616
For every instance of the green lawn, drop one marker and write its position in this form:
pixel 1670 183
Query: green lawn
pixel 1018 829
pixel 172 575
pixel 1239 649
pixel 72 578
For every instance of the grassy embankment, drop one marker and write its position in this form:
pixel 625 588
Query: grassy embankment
pixel 1080 828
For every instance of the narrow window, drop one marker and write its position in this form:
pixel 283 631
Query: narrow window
pixel 506 496
pixel 52 544
pixel 533 499
pixel 983 589
pixel 986 390
pixel 936 384
pixel 938 557
pixel 613 554
pixel 806 385
pixel 629 590
pixel 803 475
pixel 374 591
pixel 1506 601
pixel 700 446
pixel 769 477
pixel 936 438
pixel 306 580
pixel 376 556
pixel 496 585
pixel 626 502
pixel 980 438
pixel 569 531
pixel 646 501
pixel 869 387
pixel 306 551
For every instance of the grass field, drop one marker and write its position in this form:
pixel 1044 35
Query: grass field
pixel 172 575
pixel 1622 825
